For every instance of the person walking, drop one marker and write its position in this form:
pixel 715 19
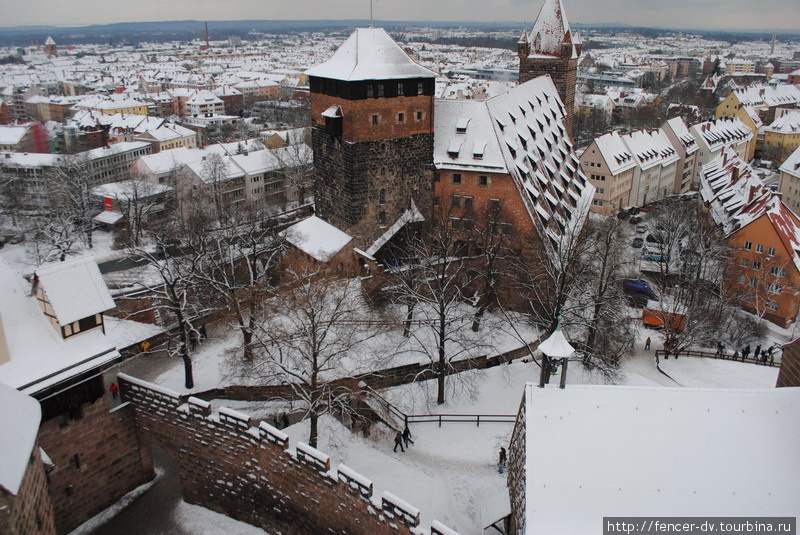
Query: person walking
pixel 203 333
pixel 501 464
pixel 398 441
pixel 407 436
pixel 647 344
pixel 757 353
pixel 745 351
pixel 114 389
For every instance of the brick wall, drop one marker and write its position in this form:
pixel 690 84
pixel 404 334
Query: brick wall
pixel 30 512
pixel 789 374
pixel 350 176
pixel 249 473
pixel 517 472
pixel 563 71
pixel 97 460
pixel 357 122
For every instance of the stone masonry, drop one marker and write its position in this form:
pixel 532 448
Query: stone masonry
pixel 563 72
pixel 789 374
pixel 97 460
pixel 29 512
pixel 250 473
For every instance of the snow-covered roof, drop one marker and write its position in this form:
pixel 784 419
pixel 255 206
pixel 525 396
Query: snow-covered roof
pixel 11 135
pixel 108 217
pixel 681 131
pixel 792 164
pixel 130 189
pixel 412 215
pixel 317 238
pixel 616 155
pixel 737 197
pixel 788 123
pixel 550 31
pixel 664 452
pixel 74 288
pixel 477 145
pixel 19 420
pixel 40 356
pixel 370 54
pixel 721 133
pixel 556 346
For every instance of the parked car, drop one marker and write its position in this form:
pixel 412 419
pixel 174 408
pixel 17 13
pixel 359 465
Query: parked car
pixel 654 256
pixel 638 243
pixel 657 319
pixel 654 238
pixel 635 220
pixel 17 238
pixel 641 229
pixel 638 286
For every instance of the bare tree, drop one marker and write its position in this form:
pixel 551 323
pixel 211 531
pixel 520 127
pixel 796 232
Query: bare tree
pixel 14 192
pixel 314 330
pixel 70 193
pixel 430 281
pixel 214 172
pixel 138 201
pixel 55 237
pixel 296 165
pixel 173 288
pixel 760 283
pixel 239 269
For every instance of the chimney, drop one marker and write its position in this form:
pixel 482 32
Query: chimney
pixel 753 190
pixel 735 176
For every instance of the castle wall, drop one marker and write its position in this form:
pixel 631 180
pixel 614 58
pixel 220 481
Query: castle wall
pixel 30 512
pixel 251 474
pixel 97 460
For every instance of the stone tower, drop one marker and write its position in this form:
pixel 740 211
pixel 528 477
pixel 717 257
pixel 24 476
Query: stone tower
pixel 50 47
pixel 551 48
pixel 372 135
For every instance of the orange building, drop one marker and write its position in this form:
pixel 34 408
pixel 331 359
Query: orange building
pixel 764 233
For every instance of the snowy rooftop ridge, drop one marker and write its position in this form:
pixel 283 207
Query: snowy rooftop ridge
pixel 370 54
pixel 317 238
pixel 709 467
pixel 75 288
pixel 22 414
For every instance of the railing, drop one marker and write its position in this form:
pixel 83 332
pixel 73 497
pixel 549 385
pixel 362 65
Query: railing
pixel 719 356
pixel 478 419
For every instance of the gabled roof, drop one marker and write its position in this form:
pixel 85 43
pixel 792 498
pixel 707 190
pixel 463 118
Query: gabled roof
pixel 737 198
pixel 792 164
pixel 370 54
pixel 614 152
pixel 317 238
pixel 75 289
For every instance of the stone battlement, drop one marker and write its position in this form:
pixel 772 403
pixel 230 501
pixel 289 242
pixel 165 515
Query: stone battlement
pixel 250 472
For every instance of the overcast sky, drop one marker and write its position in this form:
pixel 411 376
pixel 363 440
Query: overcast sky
pixel 702 14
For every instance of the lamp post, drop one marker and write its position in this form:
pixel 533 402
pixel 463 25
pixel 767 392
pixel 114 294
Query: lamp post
pixel 556 351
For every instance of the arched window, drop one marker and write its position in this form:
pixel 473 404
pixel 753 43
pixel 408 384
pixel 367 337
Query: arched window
pixel 383 196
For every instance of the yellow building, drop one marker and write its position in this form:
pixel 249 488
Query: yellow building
pixel 784 132
pixel 112 106
pixel 737 106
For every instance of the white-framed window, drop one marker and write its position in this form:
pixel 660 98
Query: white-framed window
pixel 748 245
pixel 760 249
pixel 771 251
pixel 772 305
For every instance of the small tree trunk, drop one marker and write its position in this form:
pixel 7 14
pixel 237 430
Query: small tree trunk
pixel 187 367
pixel 409 318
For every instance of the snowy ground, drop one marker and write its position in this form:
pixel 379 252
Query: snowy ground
pixel 214 361
pixel 20 256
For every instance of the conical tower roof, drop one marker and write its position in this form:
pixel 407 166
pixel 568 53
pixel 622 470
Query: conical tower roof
pixel 551 29
pixel 49 41
pixel 556 346
pixel 370 54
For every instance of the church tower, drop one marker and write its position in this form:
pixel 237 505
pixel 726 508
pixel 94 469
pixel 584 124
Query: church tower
pixel 551 48
pixel 50 47
pixel 372 134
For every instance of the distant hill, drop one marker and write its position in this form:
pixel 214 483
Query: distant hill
pixel 184 30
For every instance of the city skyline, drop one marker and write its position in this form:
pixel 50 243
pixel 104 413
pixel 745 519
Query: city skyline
pixel 740 15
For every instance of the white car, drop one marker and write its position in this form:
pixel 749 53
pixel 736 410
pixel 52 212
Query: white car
pixel 641 229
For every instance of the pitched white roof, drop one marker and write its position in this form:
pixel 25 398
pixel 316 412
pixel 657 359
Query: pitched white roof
pixel 130 189
pixel 317 238
pixel 19 421
pixel 370 54
pixel 75 288
pixel 672 452
pixel 11 135
pixel 792 164
pixel 613 150
pixel 40 356
pixel 788 123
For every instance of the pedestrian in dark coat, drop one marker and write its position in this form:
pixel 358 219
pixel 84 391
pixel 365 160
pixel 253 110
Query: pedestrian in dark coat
pixel 501 464
pixel 407 436
pixel 398 441
pixel 203 333
pixel 647 344
pixel 746 351
pixel 757 352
